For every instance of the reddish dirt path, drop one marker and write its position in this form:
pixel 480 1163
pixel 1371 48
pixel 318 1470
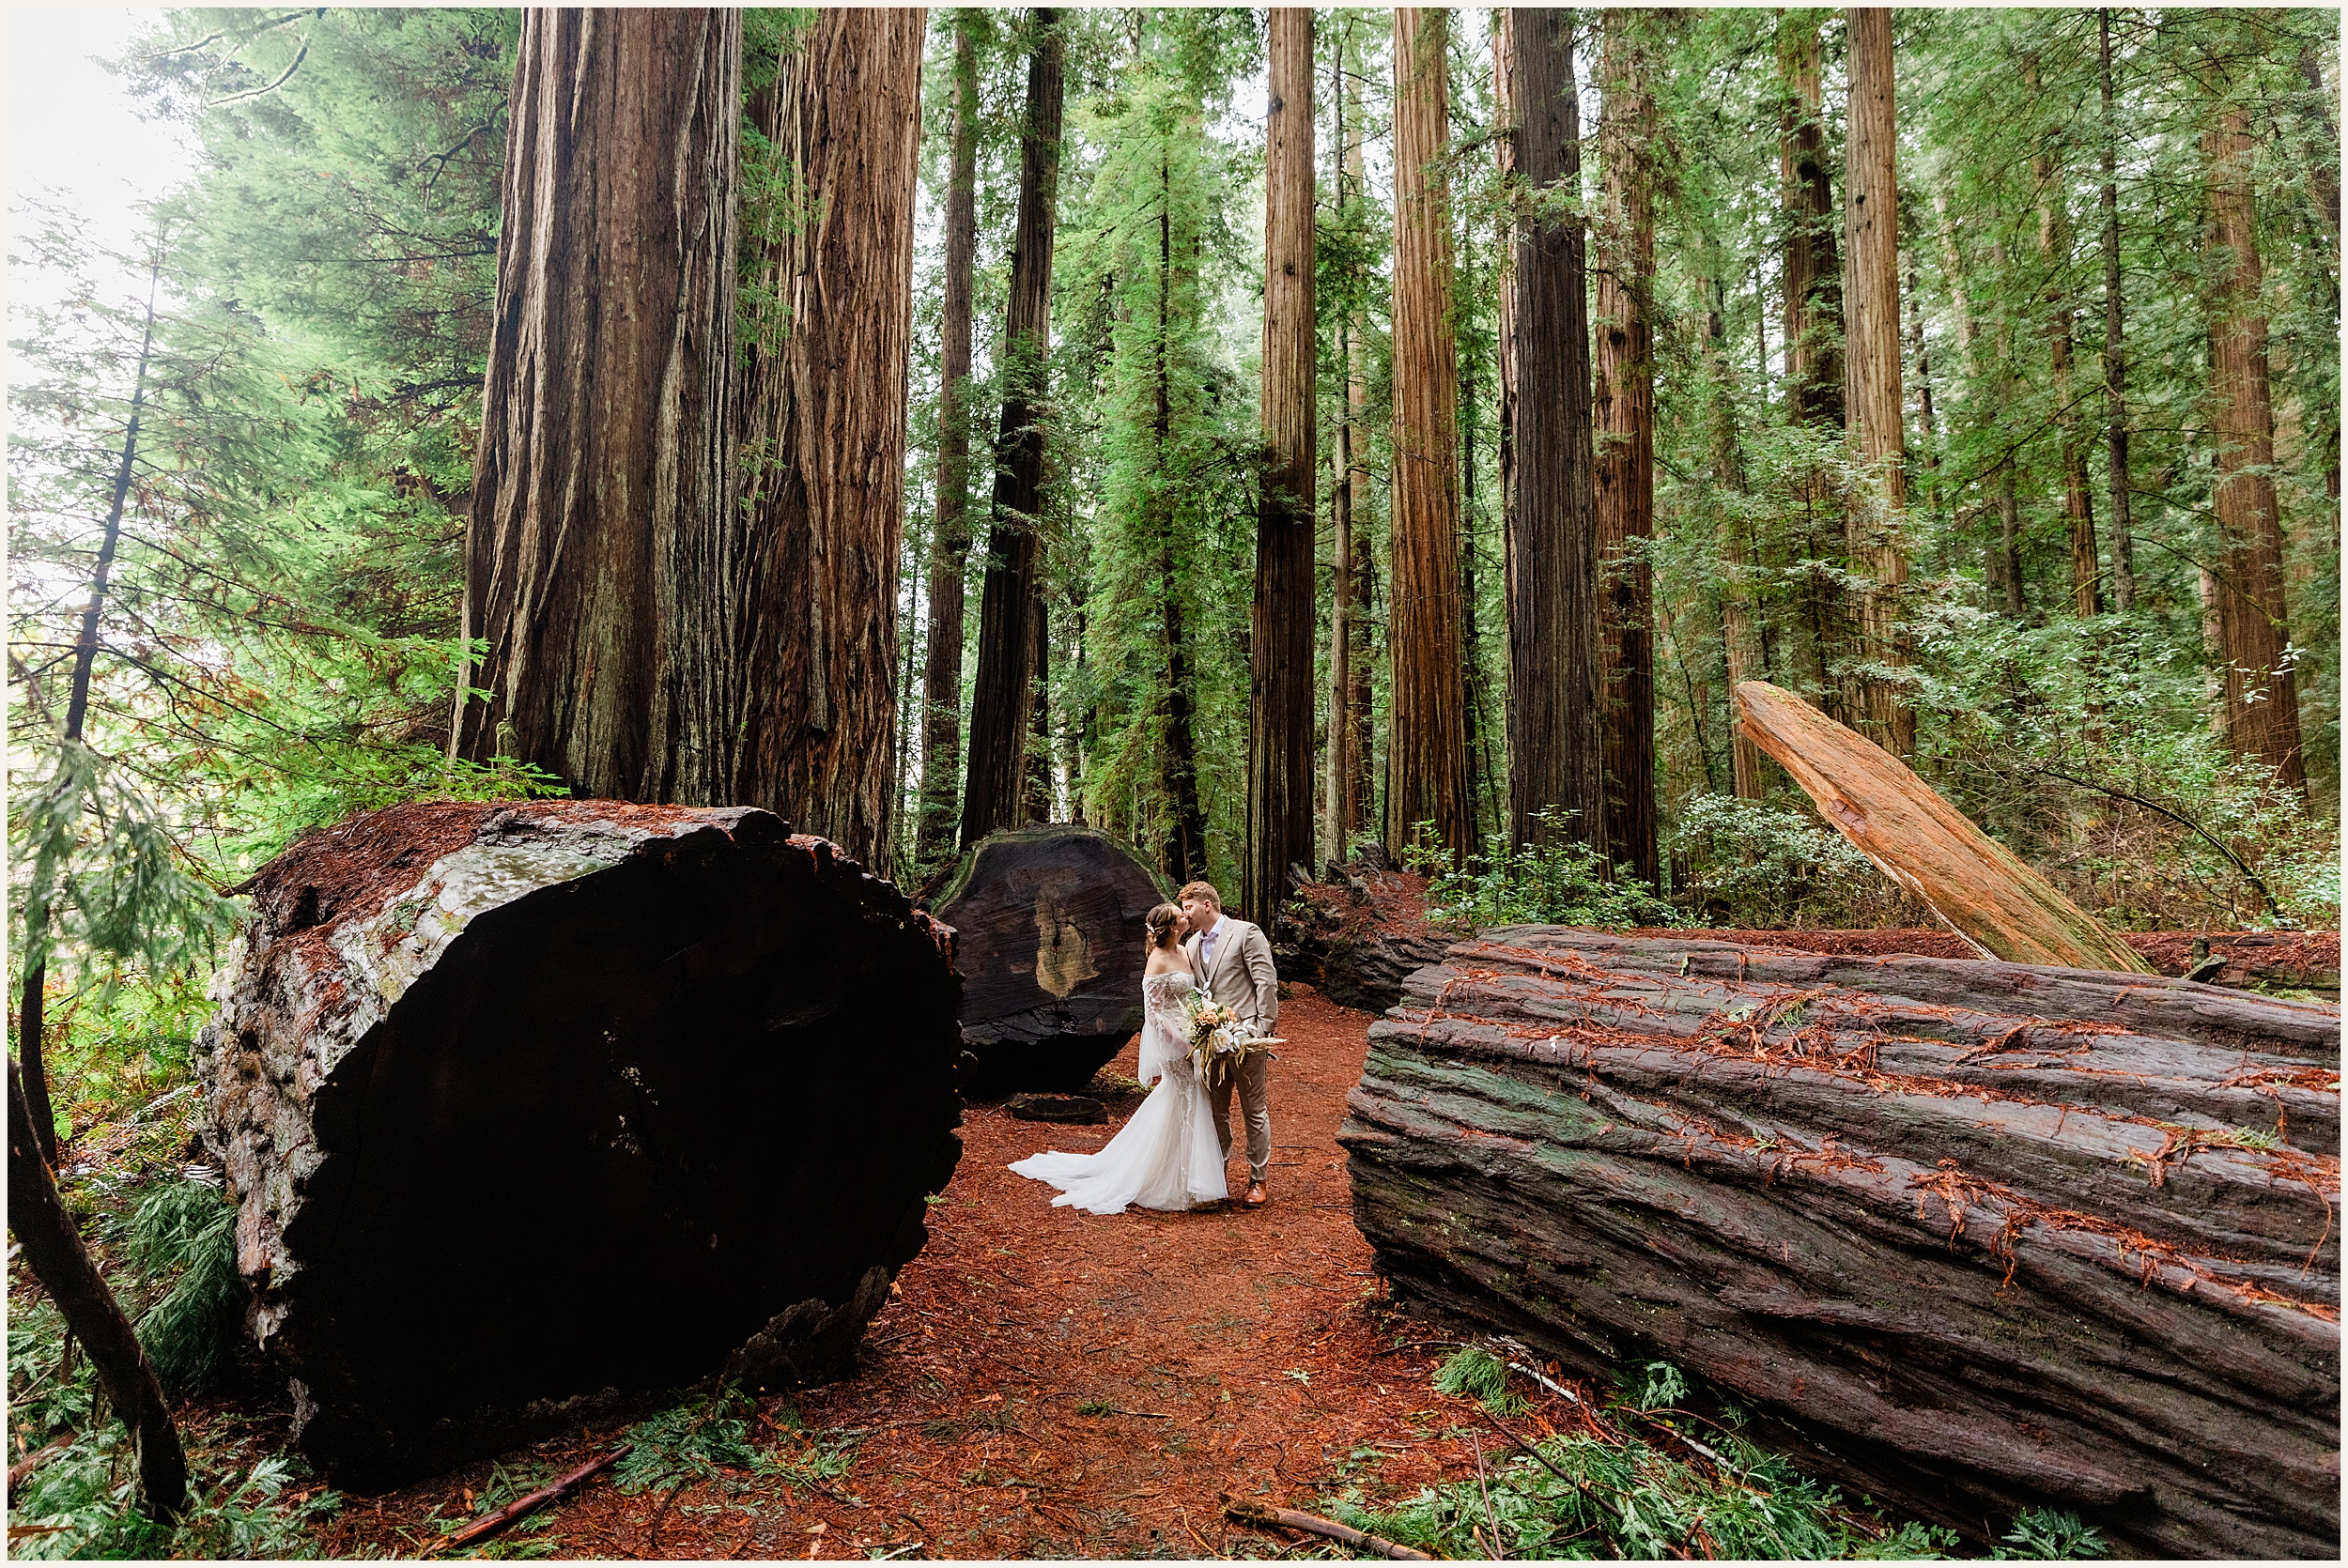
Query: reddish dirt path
pixel 1245 1352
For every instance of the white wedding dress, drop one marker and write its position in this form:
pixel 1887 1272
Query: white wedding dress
pixel 1168 1156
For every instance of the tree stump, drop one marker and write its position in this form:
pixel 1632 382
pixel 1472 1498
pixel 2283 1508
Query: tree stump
pixel 1967 1235
pixel 530 1111
pixel 1049 934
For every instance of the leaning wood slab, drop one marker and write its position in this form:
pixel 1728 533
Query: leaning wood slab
pixel 530 1111
pixel 1049 926
pixel 1968 1236
pixel 1920 841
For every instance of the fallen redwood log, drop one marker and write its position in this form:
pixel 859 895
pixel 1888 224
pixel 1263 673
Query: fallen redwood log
pixel 1358 936
pixel 1049 931
pixel 1968 1236
pixel 1919 840
pixel 531 1110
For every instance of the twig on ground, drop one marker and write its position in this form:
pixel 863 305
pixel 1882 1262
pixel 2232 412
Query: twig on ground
pixel 1484 1486
pixel 1262 1516
pixel 489 1524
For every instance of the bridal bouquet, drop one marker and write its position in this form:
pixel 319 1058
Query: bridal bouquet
pixel 1221 1041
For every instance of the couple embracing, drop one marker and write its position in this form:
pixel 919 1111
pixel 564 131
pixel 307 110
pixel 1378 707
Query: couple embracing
pixel 1172 1154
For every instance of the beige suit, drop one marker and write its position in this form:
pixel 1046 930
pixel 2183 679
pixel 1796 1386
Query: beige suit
pixel 1239 976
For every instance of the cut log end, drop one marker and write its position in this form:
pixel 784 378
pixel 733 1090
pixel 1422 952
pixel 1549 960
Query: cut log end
pixel 1049 926
pixel 532 1110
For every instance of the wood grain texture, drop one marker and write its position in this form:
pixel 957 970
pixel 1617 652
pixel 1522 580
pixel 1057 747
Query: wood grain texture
pixel 1966 1236
pixel 1971 881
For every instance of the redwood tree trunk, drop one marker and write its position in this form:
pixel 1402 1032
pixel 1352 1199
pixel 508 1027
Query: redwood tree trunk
pixel 1872 409
pixel 1010 599
pixel 824 433
pixel 1814 275
pixel 1739 629
pixel 941 683
pixel 605 555
pixel 2078 508
pixel 1623 418
pixel 1427 738
pixel 2115 359
pixel 1280 683
pixel 1340 794
pixel 2262 696
pixel 1555 732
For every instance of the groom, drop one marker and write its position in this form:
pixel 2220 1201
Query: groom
pixel 1235 966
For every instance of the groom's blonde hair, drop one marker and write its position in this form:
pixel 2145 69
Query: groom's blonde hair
pixel 1204 892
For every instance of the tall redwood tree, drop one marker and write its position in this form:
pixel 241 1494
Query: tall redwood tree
pixel 1280 683
pixel 941 676
pixel 1874 411
pixel 1427 738
pixel 1623 424
pixel 1555 740
pixel 994 789
pixel 603 552
pixel 824 433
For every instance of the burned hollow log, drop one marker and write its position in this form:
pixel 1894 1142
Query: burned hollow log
pixel 1966 1236
pixel 1049 929
pixel 533 1110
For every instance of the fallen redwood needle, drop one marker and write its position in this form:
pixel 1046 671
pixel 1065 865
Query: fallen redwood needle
pixel 489 1524
pixel 1246 1511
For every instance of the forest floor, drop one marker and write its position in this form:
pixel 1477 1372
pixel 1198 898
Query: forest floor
pixel 1047 1383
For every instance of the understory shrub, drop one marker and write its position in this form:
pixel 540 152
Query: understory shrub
pixel 1553 879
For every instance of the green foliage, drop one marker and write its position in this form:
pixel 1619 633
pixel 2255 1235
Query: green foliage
pixel 2046 1535
pixel 691 1441
pixel 1553 879
pixel 181 1242
pixel 83 1504
pixel 1479 1374
pixel 1625 1497
pixel 1756 864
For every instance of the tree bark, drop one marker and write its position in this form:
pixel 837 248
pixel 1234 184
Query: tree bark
pixel 824 431
pixel 1038 801
pixel 1959 1234
pixel 2079 511
pixel 1010 598
pixel 712 1063
pixel 1814 275
pixel 1555 726
pixel 2262 693
pixel 1426 737
pixel 2115 357
pixel 605 558
pixel 1975 885
pixel 1623 419
pixel 54 1251
pixel 1872 410
pixel 1340 789
pixel 941 683
pixel 1280 682
pixel 1740 635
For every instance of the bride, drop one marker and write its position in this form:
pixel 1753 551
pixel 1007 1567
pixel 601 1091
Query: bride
pixel 1168 1156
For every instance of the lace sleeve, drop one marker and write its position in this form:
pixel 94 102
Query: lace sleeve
pixel 1165 1029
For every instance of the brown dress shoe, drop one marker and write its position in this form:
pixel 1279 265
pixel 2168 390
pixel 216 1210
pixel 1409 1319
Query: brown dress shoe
pixel 1254 1198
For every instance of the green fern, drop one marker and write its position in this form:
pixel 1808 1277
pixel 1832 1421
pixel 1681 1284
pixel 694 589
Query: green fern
pixel 1479 1374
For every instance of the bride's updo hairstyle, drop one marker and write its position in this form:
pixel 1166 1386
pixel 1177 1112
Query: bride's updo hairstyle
pixel 1162 922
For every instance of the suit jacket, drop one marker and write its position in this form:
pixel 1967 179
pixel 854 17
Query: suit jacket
pixel 1241 976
